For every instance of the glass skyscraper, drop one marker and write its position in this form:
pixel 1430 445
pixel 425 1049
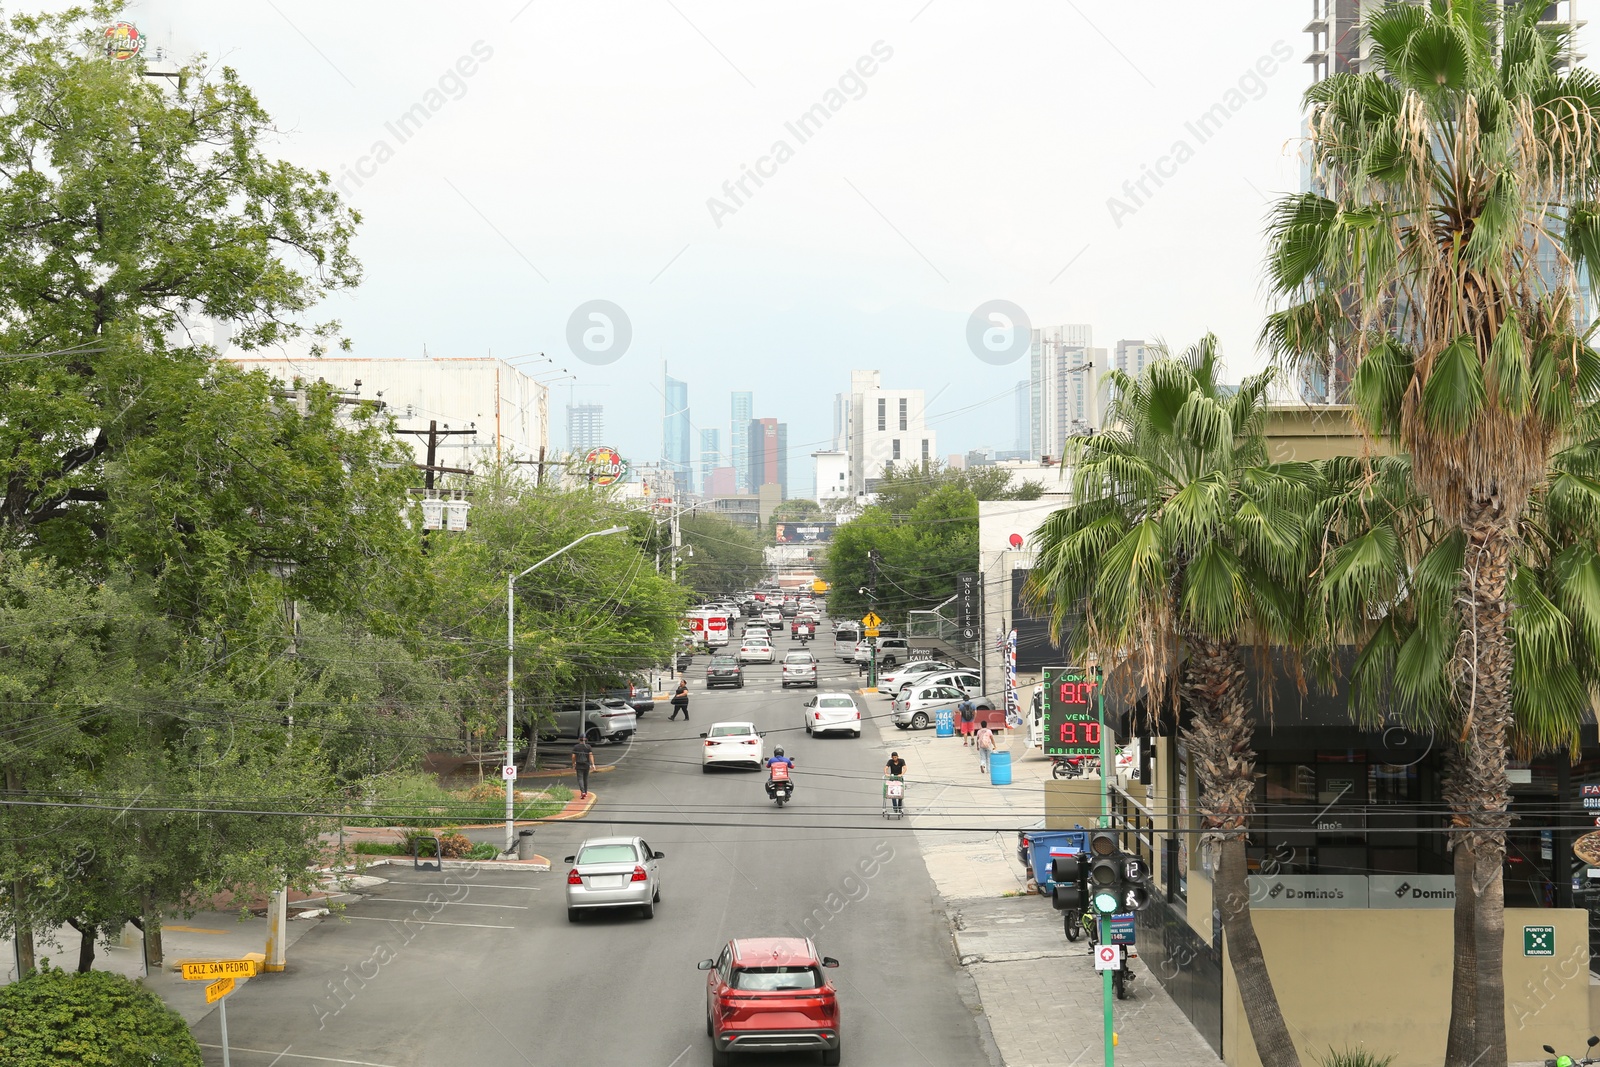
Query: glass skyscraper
pixel 739 440
pixel 710 454
pixel 675 432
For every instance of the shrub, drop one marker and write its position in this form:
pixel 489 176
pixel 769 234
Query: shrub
pixel 487 791
pixel 484 850
pixel 455 845
pixel 1354 1057
pixel 95 1019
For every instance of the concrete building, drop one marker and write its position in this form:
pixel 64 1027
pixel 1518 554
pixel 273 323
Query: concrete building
pixel 743 410
pixel 768 460
pixel 675 432
pixel 1065 372
pixel 1339 47
pixel 832 476
pixel 1131 357
pixel 509 410
pixel 878 427
pixel 586 427
pixel 722 481
pixel 1024 407
pixel 711 456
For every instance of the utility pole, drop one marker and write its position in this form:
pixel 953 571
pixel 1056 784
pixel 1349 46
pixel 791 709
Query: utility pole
pixel 431 467
pixel 873 558
pixel 541 463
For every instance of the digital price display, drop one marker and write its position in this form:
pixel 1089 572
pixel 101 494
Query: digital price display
pixel 1070 701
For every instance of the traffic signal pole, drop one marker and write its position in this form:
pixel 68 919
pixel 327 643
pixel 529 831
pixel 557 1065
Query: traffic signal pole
pixel 1106 766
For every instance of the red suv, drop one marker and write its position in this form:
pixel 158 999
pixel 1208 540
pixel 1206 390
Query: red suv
pixel 767 994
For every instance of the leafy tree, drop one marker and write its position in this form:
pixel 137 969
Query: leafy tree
pixel 727 557
pixel 1187 548
pixel 920 554
pixel 1460 208
pixel 900 487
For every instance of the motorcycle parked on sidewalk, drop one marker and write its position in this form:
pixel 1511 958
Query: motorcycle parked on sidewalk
pixel 1073 766
pixel 1571 1061
pixel 1122 975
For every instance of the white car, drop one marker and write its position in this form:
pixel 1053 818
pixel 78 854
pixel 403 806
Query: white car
pixel 772 617
pixel 732 742
pixel 967 681
pixel 832 712
pixel 891 682
pixel 799 668
pixel 918 707
pixel 752 649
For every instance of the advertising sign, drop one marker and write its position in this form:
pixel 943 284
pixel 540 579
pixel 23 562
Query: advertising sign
pixel 803 533
pixel 969 605
pixel 1069 701
pixel 602 466
pixel 1307 891
pixel 123 41
pixel 1412 890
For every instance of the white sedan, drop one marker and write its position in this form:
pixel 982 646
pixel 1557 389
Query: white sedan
pixel 753 649
pixel 732 742
pixel 891 682
pixel 831 712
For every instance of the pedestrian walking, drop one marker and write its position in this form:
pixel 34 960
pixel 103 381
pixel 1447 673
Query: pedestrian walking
pixel 968 712
pixel 985 746
pixel 582 763
pixel 680 702
pixel 895 769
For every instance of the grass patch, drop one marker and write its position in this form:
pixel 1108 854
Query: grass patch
pixel 1354 1057
pixel 417 800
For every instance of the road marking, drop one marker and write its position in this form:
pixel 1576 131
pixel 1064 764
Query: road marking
pixel 293 1055
pixel 423 922
pixel 452 885
pixel 452 903
pixel 194 930
pixel 681 1055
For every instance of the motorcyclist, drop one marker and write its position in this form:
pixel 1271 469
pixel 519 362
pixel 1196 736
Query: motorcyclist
pixel 778 759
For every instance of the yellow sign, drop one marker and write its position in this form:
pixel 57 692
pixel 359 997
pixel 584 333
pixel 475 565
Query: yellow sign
pixel 871 621
pixel 205 970
pixel 871 631
pixel 218 989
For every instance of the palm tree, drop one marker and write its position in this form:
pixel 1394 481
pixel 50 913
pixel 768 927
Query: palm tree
pixel 1459 208
pixel 1184 548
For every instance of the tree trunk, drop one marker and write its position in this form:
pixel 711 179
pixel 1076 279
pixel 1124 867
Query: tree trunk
pixel 154 954
pixel 1220 743
pixel 1461 1040
pixel 1483 663
pixel 85 946
pixel 21 928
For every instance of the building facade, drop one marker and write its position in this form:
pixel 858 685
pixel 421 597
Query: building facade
pixel 720 482
pixel 586 427
pixel 881 427
pixel 743 410
pixel 1065 372
pixel 711 456
pixel 675 432
pixel 768 463
pixel 832 473
pixel 1024 407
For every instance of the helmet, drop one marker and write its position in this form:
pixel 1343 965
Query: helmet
pixel 778 751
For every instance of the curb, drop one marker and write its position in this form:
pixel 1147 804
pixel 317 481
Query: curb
pixel 539 863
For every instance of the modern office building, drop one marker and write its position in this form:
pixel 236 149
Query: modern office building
pixel 1024 417
pixel 832 473
pixel 710 454
pixel 1132 357
pixel 1065 372
pixel 768 462
pixel 743 410
pixel 878 427
pixel 586 427
pixel 675 432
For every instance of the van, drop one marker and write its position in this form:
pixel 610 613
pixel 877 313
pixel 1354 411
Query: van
pixel 844 641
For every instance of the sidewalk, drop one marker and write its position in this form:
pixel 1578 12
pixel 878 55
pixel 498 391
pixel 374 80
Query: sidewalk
pixel 1031 980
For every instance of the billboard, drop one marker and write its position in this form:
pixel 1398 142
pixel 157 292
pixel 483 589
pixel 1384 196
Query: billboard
pixel 803 533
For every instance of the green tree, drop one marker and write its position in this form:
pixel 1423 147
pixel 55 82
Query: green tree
pixel 919 555
pixel 727 557
pixel 1187 548
pixel 900 486
pixel 99 1019
pixel 1460 209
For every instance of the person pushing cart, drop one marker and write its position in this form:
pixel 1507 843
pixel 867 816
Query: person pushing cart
pixel 894 787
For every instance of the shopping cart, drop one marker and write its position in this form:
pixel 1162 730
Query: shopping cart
pixel 894 795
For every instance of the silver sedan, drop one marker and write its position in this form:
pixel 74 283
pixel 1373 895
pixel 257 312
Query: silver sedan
pixel 613 872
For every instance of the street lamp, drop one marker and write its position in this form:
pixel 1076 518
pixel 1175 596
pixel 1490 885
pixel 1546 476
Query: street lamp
pixel 511 618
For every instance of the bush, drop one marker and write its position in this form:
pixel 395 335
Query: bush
pixel 455 845
pixel 1354 1057
pixel 96 1019
pixel 487 791
pixel 484 850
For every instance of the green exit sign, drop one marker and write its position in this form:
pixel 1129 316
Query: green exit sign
pixel 1538 940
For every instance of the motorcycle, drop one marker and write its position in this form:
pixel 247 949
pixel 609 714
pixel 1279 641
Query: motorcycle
pixel 1569 1061
pixel 779 787
pixel 1122 975
pixel 1072 766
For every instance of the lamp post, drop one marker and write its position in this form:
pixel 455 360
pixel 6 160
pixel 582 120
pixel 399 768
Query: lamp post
pixel 511 663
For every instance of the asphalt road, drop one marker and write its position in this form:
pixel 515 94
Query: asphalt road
pixel 500 977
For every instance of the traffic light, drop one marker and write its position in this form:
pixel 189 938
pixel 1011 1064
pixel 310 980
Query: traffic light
pixel 1105 874
pixel 1071 876
pixel 1135 887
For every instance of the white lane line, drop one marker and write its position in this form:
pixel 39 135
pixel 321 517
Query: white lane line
pixel 451 903
pixel 423 922
pixel 452 885
pixel 681 1055
pixel 293 1055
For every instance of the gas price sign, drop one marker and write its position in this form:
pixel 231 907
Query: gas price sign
pixel 1070 702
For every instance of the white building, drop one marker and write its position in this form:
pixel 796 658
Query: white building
pixel 1005 555
pixel 832 471
pixel 507 410
pixel 1132 357
pixel 1065 375
pixel 876 427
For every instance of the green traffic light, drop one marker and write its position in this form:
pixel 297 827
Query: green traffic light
pixel 1105 903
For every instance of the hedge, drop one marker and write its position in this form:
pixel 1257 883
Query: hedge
pixel 95 1019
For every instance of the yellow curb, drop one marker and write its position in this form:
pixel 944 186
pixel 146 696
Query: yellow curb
pixel 588 805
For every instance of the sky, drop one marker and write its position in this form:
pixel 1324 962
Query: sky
pixel 963 153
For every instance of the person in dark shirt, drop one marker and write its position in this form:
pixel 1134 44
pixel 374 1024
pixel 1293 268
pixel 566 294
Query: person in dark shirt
pixel 895 768
pixel 582 763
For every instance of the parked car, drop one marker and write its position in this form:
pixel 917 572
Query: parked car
pixel 799 668
pixel 592 719
pixel 613 872
pixel 918 706
pixel 752 649
pixel 831 713
pixel 967 681
pixel 891 682
pixel 768 994
pixel 725 670
pixel 732 742
pixel 636 694
pixel 891 650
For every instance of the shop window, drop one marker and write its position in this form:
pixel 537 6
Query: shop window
pixel 1291 783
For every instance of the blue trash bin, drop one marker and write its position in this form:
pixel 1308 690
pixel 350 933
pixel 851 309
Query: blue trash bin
pixel 944 721
pixel 999 768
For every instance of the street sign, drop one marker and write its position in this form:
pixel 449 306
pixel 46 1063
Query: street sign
pixel 1538 940
pixel 509 772
pixel 1108 958
pixel 1123 929
pixel 871 621
pixel 205 970
pixel 871 631
pixel 218 989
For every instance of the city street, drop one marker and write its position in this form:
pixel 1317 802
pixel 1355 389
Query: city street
pixel 498 976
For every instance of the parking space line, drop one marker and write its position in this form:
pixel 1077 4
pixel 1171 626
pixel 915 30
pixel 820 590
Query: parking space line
pixel 451 903
pixel 293 1055
pixel 423 922
pixel 452 885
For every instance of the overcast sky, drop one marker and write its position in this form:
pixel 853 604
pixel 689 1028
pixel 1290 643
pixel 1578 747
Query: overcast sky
pixel 970 153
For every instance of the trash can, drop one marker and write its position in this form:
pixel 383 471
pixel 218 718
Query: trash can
pixel 944 722
pixel 999 768
pixel 525 845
